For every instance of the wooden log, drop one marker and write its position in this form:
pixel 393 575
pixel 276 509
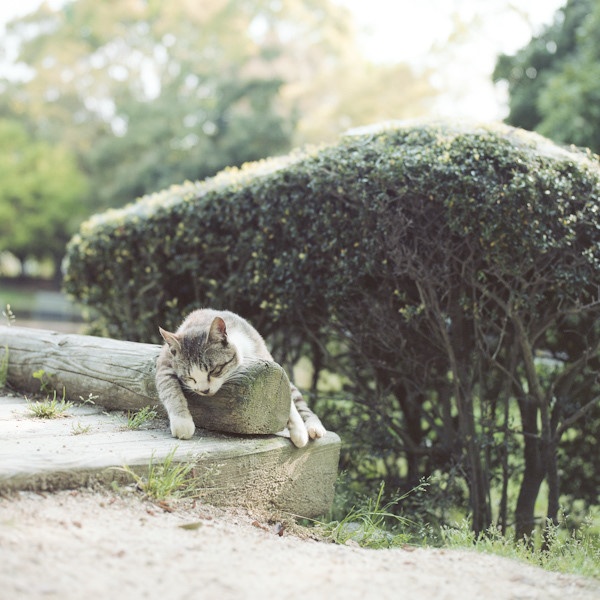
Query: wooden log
pixel 120 376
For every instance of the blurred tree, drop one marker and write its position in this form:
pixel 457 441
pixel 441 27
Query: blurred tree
pixel 163 146
pixel 554 81
pixel 40 193
pixel 152 93
pixel 148 94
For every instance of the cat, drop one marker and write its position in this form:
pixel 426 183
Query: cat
pixel 208 349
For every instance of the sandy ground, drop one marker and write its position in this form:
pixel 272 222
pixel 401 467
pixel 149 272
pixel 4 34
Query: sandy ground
pixel 95 544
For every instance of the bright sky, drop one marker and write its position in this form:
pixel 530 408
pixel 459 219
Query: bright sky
pixel 406 31
pixel 403 29
pixel 10 9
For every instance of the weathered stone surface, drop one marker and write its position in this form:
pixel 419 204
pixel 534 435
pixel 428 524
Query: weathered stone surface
pixel 90 445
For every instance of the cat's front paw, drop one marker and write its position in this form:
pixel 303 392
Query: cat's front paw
pixel 182 427
pixel 299 436
pixel 315 428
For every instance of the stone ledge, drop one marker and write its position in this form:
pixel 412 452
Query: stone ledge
pixel 258 471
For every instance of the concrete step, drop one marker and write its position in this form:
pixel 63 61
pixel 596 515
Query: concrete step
pixel 89 445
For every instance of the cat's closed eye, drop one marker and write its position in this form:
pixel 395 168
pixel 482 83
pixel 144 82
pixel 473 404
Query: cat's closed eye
pixel 218 370
pixel 190 380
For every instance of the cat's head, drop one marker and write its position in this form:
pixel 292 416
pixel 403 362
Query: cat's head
pixel 202 359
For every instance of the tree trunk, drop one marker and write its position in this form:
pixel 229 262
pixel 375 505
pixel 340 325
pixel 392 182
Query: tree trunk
pixel 477 481
pixel 534 471
pixel 478 477
pixel 553 489
pixel 411 409
pixel 456 345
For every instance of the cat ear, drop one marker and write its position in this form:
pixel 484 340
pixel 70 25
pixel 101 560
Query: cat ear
pixel 218 330
pixel 171 339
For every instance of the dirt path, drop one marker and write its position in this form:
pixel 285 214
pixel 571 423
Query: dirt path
pixel 99 545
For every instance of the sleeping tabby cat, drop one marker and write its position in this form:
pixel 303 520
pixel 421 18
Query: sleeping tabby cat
pixel 202 355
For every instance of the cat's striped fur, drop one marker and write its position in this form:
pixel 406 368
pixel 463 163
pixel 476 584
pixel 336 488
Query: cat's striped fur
pixel 206 351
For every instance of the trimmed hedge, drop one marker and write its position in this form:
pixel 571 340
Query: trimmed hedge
pixel 293 238
pixel 428 265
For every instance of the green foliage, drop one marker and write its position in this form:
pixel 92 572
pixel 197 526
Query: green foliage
pixel 40 195
pixel 371 524
pixel 45 380
pixel 140 161
pixel 554 81
pixel 278 221
pixel 433 265
pixel 579 460
pixel 147 95
pixel 120 101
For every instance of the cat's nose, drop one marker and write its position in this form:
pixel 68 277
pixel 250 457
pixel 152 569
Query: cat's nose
pixel 205 392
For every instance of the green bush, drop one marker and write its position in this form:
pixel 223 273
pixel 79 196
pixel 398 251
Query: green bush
pixel 299 234
pixel 428 266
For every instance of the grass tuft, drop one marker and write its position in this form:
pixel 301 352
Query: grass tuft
pixel 371 526
pixel 4 367
pixel 8 314
pixel 138 418
pixel 79 428
pixel 49 408
pixel 167 479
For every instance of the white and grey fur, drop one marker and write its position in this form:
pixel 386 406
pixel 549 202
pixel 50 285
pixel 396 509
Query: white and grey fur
pixel 205 352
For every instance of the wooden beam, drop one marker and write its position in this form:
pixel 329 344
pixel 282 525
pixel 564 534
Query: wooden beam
pixel 120 375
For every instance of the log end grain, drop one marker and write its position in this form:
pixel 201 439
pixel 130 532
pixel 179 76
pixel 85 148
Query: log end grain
pixel 256 401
